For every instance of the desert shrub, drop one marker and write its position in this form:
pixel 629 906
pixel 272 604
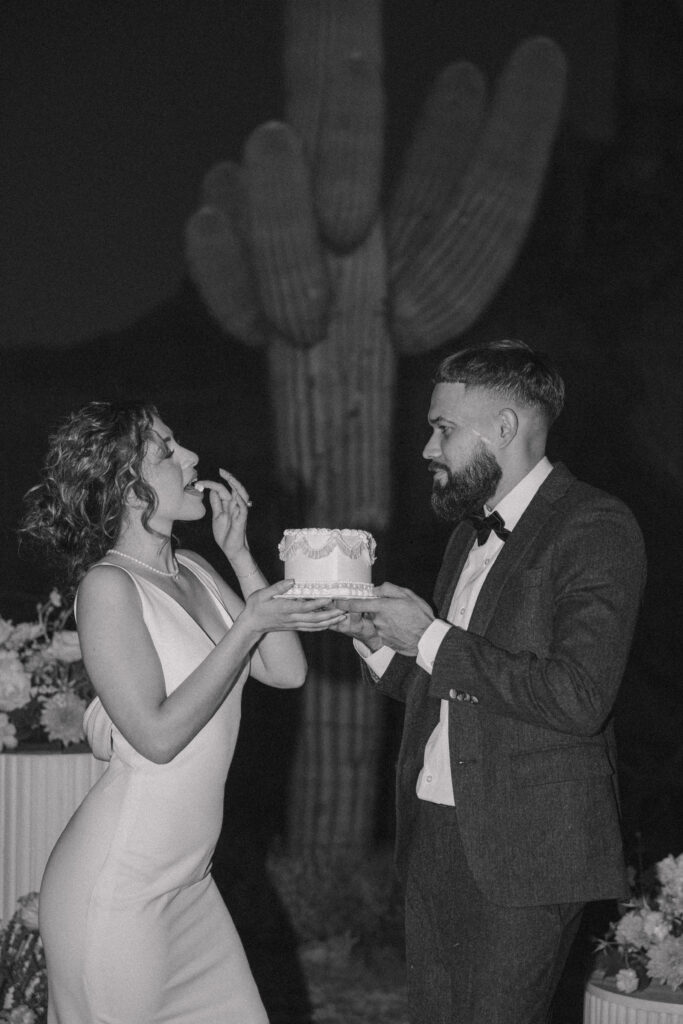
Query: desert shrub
pixel 337 894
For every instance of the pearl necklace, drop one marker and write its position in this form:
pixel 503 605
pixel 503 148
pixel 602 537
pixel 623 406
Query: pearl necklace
pixel 160 572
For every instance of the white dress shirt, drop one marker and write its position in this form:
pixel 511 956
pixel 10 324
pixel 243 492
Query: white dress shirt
pixel 434 781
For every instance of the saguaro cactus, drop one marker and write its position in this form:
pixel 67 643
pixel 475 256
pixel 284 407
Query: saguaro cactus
pixel 292 250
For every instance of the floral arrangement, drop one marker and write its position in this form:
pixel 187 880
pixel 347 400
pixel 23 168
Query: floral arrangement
pixel 646 944
pixel 44 688
pixel 23 978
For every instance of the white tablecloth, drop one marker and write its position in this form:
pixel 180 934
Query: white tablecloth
pixel 38 794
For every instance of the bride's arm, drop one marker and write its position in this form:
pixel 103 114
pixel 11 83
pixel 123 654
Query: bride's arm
pixel 126 673
pixel 279 659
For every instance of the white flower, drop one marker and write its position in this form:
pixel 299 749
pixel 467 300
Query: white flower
pixel 655 926
pixel 23 634
pixel 55 598
pixel 29 911
pixel 630 930
pixel 6 630
pixel 15 683
pixel 627 980
pixel 64 646
pixel 22 1015
pixel 665 962
pixel 8 734
pixel 62 718
pixel 670 874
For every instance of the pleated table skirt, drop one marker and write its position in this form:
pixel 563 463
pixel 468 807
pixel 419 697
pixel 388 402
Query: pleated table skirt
pixel 38 794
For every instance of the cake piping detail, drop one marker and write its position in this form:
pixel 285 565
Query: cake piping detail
pixel 298 542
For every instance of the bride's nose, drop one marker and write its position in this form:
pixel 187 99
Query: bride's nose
pixel 190 457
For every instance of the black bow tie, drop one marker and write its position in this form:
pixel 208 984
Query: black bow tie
pixel 485 524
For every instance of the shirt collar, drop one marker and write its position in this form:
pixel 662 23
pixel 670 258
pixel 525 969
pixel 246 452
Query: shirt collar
pixel 516 501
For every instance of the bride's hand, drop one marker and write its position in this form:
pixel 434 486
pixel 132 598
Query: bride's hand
pixel 267 610
pixel 229 508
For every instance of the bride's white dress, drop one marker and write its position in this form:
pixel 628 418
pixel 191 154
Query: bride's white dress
pixel 134 928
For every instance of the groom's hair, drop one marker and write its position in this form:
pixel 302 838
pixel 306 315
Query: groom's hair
pixel 512 370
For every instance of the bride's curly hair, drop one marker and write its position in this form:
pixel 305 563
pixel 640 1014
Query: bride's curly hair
pixel 93 462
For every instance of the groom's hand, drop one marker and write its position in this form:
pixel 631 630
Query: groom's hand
pixel 358 627
pixel 399 616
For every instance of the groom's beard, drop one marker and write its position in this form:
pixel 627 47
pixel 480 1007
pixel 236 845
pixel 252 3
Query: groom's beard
pixel 468 489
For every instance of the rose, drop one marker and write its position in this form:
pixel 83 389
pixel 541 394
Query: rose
pixel 655 926
pixel 15 683
pixel 670 874
pixel 665 962
pixel 64 646
pixel 23 634
pixel 630 930
pixel 22 1015
pixel 627 980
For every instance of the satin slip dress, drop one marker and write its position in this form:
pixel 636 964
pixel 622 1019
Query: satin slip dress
pixel 134 928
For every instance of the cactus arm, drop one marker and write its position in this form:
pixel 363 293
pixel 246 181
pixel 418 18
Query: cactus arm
pixel 219 267
pixel 445 287
pixel 435 162
pixel 286 255
pixel 350 146
pixel 307 28
pixel 224 187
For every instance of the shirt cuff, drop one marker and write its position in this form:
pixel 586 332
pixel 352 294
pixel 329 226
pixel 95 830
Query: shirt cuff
pixel 429 643
pixel 377 660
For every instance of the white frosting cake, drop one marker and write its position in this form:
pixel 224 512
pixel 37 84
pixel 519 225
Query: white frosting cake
pixel 328 563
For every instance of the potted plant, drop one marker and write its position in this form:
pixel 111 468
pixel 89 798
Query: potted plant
pixel 639 968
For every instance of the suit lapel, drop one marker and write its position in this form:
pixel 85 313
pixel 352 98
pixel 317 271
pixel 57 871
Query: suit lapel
pixel 517 545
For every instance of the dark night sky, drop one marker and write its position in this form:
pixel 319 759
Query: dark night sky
pixel 112 112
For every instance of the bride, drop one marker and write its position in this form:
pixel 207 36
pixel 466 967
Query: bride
pixel 135 931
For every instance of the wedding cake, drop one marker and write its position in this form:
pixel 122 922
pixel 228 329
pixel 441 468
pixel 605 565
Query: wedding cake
pixel 328 563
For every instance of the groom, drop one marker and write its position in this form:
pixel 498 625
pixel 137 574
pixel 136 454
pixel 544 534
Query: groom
pixel 507 817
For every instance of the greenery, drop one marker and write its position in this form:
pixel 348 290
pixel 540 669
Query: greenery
pixel 347 913
pixel 341 897
pixel 23 979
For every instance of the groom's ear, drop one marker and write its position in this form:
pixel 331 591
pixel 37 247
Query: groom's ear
pixel 507 426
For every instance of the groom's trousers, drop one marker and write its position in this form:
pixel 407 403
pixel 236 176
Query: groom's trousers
pixel 469 960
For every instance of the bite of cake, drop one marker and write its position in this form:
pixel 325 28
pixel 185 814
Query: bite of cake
pixel 328 563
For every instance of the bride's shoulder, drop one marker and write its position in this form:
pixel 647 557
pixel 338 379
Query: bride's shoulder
pixel 105 579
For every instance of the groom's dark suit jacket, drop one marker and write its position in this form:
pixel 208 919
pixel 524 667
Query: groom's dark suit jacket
pixel 530 686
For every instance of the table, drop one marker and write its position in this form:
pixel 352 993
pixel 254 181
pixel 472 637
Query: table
pixel 38 794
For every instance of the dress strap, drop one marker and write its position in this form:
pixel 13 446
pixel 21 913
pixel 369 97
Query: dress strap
pixel 206 579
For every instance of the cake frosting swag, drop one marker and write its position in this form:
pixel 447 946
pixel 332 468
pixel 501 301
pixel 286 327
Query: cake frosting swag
pixel 328 563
